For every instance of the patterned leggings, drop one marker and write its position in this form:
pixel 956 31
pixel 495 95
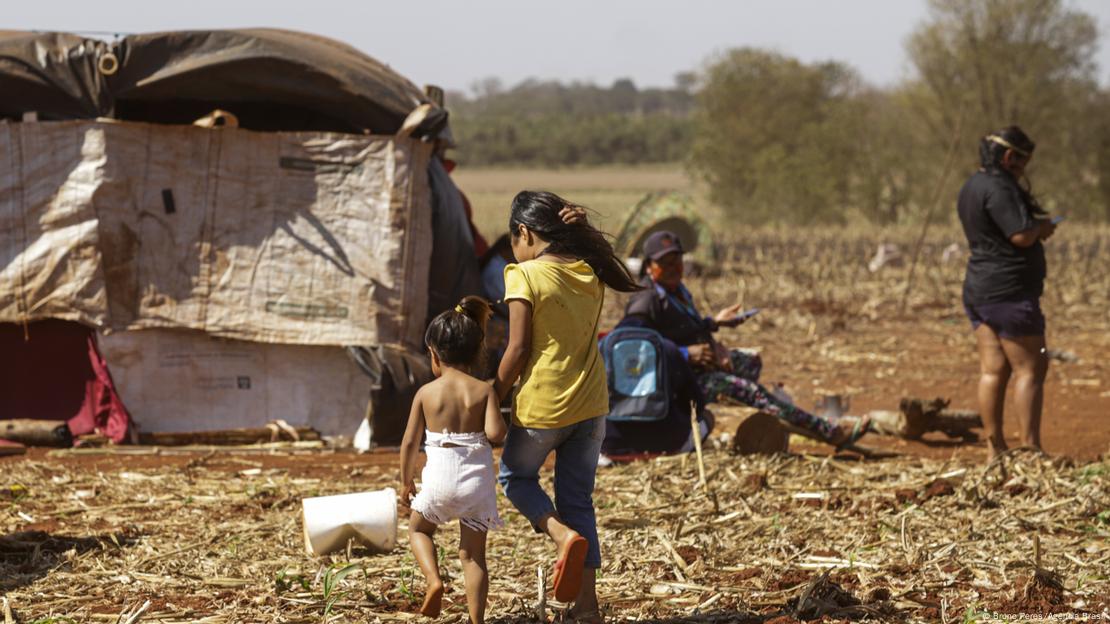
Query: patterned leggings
pixel 741 385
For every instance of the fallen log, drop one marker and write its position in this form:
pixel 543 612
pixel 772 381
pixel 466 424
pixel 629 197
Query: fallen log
pixel 916 417
pixel 760 433
pixel 7 447
pixel 957 423
pixel 34 432
pixel 231 437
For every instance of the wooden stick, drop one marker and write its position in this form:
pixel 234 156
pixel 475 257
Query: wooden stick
pixel 541 588
pixel 131 618
pixel 1037 551
pixel 932 208
pixel 231 437
pixel 695 431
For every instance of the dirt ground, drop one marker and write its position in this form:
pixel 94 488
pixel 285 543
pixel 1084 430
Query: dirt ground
pixel 877 363
pixel 214 535
pixel 932 534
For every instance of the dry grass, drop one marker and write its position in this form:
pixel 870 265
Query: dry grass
pixel 219 540
pixel 216 537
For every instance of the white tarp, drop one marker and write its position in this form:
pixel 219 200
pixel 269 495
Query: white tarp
pixel 277 237
pixel 180 380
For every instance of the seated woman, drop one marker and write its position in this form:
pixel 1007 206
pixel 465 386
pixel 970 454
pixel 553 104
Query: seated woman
pixel 671 434
pixel 667 307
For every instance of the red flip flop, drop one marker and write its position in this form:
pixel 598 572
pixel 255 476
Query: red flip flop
pixel 567 579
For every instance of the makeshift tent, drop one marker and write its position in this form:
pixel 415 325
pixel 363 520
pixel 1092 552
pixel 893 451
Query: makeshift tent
pixel 676 212
pixel 228 259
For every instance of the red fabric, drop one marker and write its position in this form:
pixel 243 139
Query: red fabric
pixel 59 374
pixel 480 244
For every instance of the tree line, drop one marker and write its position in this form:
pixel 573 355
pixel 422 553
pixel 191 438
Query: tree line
pixel 776 139
pixel 547 123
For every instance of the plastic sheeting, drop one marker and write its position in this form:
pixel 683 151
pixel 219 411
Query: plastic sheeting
pixel 271 79
pixel 295 238
pixel 455 271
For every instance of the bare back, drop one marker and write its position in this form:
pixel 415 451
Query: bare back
pixel 456 402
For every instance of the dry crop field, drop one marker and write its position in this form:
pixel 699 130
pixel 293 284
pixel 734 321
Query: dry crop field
pixel 216 537
pixel 828 325
pixel 933 534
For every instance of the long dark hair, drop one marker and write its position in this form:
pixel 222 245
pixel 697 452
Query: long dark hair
pixel 457 335
pixel 993 146
pixel 539 211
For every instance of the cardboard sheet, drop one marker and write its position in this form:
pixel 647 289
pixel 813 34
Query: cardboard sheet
pixel 230 384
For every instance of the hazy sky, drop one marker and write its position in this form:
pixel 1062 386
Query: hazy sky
pixel 454 43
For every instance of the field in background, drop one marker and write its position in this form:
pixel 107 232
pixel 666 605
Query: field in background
pixel 610 191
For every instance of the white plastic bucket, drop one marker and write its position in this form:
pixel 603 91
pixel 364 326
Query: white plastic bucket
pixel 369 517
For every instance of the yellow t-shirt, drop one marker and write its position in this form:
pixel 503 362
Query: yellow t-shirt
pixel 563 382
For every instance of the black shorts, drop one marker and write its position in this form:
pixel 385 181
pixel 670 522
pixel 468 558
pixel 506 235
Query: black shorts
pixel 1008 319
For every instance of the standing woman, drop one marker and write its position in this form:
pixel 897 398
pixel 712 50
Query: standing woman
pixel 1004 226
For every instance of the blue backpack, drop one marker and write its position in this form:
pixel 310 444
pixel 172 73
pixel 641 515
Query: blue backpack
pixel 636 365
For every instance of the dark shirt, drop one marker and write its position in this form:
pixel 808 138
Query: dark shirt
pixel 671 314
pixel 993 208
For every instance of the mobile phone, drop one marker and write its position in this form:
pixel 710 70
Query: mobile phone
pixel 1058 218
pixel 746 314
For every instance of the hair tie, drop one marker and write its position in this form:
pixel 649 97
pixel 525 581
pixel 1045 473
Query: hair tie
pixel 994 138
pixel 459 309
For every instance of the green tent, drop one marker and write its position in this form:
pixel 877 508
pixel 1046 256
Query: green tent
pixel 673 211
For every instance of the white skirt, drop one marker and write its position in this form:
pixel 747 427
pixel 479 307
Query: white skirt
pixel 458 481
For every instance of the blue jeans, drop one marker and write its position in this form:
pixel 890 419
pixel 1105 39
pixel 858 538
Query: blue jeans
pixel 577 448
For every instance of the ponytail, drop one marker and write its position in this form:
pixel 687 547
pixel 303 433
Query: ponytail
pixel 539 212
pixel 457 335
pixel 477 309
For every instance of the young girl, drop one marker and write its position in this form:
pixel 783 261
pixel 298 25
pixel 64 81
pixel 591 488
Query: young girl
pixel 554 295
pixel 461 418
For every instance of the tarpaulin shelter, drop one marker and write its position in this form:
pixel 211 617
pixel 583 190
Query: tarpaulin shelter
pixel 228 269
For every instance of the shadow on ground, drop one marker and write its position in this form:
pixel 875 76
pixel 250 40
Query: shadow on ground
pixel 27 556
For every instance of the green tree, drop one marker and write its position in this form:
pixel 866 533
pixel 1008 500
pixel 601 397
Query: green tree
pixel 885 176
pixel 773 138
pixel 985 64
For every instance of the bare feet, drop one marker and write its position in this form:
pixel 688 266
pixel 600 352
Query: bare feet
pixel 848 435
pixel 587 617
pixel 433 600
pixel 585 609
pixel 995 449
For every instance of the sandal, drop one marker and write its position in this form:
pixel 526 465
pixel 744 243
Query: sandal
pixel 567 577
pixel 860 429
